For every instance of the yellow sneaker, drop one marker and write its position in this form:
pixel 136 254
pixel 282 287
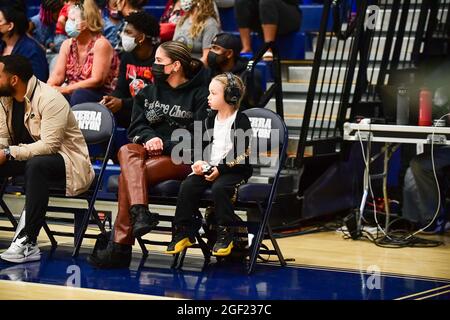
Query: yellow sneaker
pixel 180 241
pixel 224 242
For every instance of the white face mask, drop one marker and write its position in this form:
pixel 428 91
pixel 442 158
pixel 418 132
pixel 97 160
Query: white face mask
pixel 186 5
pixel 71 29
pixel 128 43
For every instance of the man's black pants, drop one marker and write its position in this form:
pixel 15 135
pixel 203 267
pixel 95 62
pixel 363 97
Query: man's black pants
pixel 223 190
pixel 40 173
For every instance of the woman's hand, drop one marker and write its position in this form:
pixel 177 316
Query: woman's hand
pixel 213 176
pixel 154 146
pixel 197 167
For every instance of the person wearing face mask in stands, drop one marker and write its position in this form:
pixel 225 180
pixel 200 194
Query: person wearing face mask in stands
pixel 139 40
pixel 42 25
pixel 224 56
pixel 14 40
pixel 113 22
pixel 60 31
pixel 124 9
pixel 197 27
pixel 87 66
pixel 176 99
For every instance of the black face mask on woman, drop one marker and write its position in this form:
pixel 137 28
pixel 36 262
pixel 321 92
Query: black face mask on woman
pixel 158 72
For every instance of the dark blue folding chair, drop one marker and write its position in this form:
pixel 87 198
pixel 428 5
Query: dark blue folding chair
pixel 97 125
pixel 268 149
pixel 100 131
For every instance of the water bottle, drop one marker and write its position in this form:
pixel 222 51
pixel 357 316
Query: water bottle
pixel 425 105
pixel 402 106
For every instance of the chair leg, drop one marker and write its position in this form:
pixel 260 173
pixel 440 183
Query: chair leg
pixel 142 262
pixel 143 248
pixel 254 251
pixel 8 212
pixel 175 261
pixel 80 234
pixel 50 235
pixel 276 247
pixel 253 256
pixel 98 221
pixel 182 256
pixel 204 248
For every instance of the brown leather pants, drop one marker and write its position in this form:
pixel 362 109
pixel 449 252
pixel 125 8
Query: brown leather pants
pixel 138 172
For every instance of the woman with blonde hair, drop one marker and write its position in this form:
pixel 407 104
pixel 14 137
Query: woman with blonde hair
pixel 197 27
pixel 87 66
pixel 224 166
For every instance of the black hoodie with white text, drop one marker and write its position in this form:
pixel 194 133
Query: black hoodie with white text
pixel 159 109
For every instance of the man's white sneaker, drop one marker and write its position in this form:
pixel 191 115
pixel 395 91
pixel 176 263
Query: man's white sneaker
pixel 21 250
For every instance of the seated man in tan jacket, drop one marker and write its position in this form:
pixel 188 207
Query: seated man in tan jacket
pixel 40 139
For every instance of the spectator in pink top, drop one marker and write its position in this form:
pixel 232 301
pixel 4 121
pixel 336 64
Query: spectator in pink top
pixel 87 66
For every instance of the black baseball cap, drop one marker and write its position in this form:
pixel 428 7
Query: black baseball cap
pixel 228 41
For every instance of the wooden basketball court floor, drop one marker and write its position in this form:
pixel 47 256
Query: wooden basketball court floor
pixel 321 266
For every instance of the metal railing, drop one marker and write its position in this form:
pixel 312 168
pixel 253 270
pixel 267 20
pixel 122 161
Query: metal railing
pixel 370 41
pixel 331 80
pixel 353 61
pixel 276 88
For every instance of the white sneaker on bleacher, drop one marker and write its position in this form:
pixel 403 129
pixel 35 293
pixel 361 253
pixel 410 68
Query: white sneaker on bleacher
pixel 21 250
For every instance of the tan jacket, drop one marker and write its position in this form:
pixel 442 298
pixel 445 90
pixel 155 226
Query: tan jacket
pixel 51 123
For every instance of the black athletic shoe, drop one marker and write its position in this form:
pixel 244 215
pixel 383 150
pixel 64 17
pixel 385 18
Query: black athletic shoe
pixel 115 256
pixel 182 238
pixel 224 243
pixel 143 220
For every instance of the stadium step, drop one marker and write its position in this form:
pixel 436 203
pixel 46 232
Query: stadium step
pixel 302 74
pixel 294 109
pixel 376 52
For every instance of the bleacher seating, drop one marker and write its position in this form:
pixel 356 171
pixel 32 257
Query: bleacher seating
pixel 312 15
pixel 292 46
pixel 227 19
pixel 158 2
pixel 155 10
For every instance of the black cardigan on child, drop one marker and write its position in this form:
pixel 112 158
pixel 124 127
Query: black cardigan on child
pixel 236 161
